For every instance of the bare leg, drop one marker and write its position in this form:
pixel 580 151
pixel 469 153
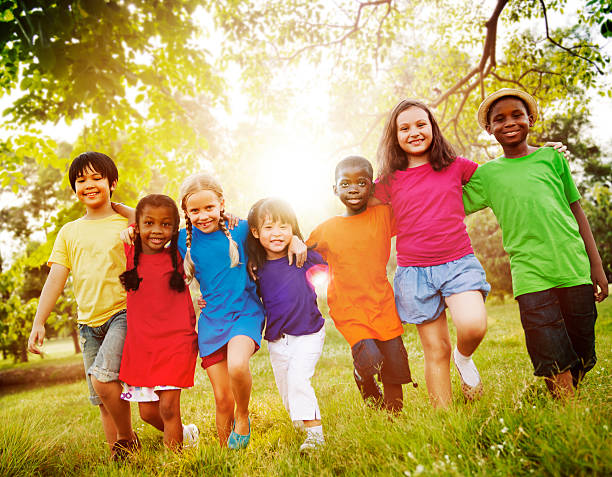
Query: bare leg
pixel 149 413
pixel 224 399
pixel 239 351
pixel 561 385
pixel 170 411
pixel 393 397
pixel 110 431
pixel 437 350
pixel 119 410
pixel 312 423
pixel 469 315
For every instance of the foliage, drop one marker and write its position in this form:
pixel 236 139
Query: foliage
pixel 516 429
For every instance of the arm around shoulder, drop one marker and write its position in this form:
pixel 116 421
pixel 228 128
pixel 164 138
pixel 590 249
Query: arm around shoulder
pixel 54 285
pixel 125 211
pixel 598 275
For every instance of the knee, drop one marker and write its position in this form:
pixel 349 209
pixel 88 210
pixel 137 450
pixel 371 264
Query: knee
pixel 238 371
pixel 224 402
pixel 438 353
pixel 169 411
pixel 103 390
pixel 476 329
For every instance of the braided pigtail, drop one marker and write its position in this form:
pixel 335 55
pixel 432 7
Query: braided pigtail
pixel 130 279
pixel 187 262
pixel 233 246
pixel 176 279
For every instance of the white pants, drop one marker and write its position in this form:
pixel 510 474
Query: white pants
pixel 293 361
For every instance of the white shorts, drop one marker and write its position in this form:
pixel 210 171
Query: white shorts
pixel 143 393
pixel 294 359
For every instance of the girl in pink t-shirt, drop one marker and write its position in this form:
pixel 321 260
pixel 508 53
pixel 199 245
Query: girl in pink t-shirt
pixel 422 178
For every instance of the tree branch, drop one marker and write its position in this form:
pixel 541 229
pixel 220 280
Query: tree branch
pixel 559 45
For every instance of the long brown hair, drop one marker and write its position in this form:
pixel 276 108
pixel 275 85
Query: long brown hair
pixel 195 183
pixel 391 157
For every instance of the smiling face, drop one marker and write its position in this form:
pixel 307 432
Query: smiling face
pixel 93 189
pixel 155 227
pixel 353 187
pixel 509 121
pixel 204 210
pixel 414 134
pixel 274 236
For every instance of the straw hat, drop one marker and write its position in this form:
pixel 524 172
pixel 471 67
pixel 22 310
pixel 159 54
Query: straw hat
pixel 483 110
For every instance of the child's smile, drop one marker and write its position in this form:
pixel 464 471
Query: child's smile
pixel 353 187
pixel 414 132
pixel 155 227
pixel 275 237
pixel 509 122
pixel 92 188
pixel 204 210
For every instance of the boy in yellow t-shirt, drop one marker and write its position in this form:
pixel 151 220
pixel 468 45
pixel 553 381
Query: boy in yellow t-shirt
pixel 91 248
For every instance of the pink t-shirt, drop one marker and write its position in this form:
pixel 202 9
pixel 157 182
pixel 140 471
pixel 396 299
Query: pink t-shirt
pixel 428 209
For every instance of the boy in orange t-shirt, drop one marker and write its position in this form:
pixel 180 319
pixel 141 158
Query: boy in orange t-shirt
pixel 356 246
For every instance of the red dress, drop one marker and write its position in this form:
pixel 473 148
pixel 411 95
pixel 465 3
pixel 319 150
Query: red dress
pixel 161 345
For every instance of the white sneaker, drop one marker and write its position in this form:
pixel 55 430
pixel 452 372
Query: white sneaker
pixel 191 435
pixel 313 441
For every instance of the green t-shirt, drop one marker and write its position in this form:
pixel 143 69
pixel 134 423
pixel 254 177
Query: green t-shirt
pixel 530 196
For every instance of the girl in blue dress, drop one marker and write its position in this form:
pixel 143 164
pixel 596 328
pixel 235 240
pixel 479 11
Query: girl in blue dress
pixel 230 325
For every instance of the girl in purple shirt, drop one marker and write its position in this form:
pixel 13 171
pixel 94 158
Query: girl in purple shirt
pixel 422 178
pixel 295 329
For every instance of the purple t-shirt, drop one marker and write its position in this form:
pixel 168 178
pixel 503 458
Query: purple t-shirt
pixel 428 210
pixel 289 298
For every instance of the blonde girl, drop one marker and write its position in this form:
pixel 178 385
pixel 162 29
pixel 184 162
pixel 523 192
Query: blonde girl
pixel 230 325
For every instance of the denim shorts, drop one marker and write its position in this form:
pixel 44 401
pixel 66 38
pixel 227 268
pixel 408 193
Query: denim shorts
pixel 102 349
pixel 420 292
pixel 387 358
pixel 559 325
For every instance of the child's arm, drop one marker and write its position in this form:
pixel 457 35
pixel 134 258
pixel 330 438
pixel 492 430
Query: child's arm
pixel 598 275
pixel 124 210
pixel 54 285
pixel 298 249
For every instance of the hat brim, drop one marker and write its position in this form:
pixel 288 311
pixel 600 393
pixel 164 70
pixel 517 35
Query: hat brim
pixel 483 110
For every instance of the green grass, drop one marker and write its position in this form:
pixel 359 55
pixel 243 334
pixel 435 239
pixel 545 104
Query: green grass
pixel 516 429
pixel 56 351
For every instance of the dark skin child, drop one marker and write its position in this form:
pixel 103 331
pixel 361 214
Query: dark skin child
pixel 353 187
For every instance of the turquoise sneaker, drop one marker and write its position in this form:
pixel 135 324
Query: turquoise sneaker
pixel 238 441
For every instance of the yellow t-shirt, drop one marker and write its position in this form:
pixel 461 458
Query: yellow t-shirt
pixel 92 250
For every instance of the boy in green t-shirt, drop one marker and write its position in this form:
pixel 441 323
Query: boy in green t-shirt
pixel 91 249
pixel 557 273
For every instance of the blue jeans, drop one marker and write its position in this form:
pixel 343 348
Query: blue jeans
pixel 102 350
pixel 559 325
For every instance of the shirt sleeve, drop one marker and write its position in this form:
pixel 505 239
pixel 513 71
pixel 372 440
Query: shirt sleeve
pixel 60 254
pixel 474 193
pixel 569 187
pixel 314 258
pixel 382 190
pixel 467 169
pixel 315 240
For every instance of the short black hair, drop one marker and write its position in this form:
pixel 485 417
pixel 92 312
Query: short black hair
pixel 97 161
pixel 506 97
pixel 354 161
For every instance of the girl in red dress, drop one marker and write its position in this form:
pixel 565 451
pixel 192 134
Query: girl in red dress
pixel 161 347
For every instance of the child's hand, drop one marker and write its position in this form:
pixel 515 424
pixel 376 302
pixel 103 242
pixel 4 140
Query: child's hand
pixel 232 220
pixel 201 302
pixel 557 146
pixel 298 249
pixel 37 337
pixel 598 276
pixel 252 269
pixel 127 235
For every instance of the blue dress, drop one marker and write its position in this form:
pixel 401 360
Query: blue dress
pixel 232 305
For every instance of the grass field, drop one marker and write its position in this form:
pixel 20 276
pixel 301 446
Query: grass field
pixel 516 429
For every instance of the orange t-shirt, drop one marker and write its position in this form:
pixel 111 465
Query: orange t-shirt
pixel 359 295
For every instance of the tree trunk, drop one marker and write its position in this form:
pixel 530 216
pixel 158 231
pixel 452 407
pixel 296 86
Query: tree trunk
pixel 75 340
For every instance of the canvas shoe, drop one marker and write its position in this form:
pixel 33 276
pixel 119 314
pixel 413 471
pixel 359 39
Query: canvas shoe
pixel 470 393
pixel 314 440
pixel 191 435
